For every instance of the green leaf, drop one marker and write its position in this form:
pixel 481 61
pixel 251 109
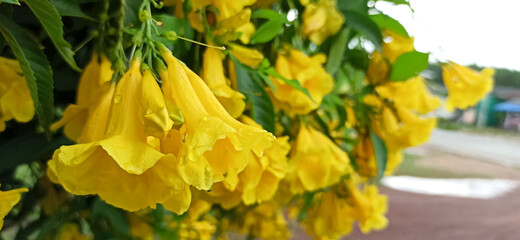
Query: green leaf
pixel 291 82
pixel 115 216
pixel 269 30
pixel 51 22
pixel 380 152
pixel 69 8
pixel 11 1
pixel 386 22
pixel 265 14
pixel 363 24
pixel 35 67
pixel 409 65
pixel 27 148
pixel 339 44
pixel 262 109
pixel 353 5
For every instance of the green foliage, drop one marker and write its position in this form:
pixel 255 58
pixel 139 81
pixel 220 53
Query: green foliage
pixel 409 65
pixel 51 22
pixel 262 109
pixel 380 152
pixel 337 50
pixel 69 8
pixel 363 24
pixel 271 28
pixel 35 67
pixel 387 22
pixel 11 1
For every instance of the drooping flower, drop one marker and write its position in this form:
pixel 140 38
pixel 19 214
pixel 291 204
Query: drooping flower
pixel 370 207
pixel 259 181
pixel 395 45
pixel 321 19
pixel 263 221
pixel 329 216
pixel 86 120
pixel 410 94
pixel 122 167
pixel 15 96
pixel 465 86
pixel 8 199
pixel 315 162
pixel 213 74
pixel 378 69
pixel 216 147
pixel 247 56
pixel 308 72
pixel 365 157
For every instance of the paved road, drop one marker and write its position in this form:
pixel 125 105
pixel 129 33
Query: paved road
pixel 496 149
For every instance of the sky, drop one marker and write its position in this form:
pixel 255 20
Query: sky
pixel 482 32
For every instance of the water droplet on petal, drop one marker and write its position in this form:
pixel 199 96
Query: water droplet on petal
pixel 118 98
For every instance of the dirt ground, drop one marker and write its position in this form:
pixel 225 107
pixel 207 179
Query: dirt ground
pixel 423 217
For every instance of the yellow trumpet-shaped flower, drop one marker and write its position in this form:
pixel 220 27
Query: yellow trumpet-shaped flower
pixel 396 45
pixel 121 167
pixel 329 216
pixel 15 96
pixel 465 86
pixel 315 162
pixel 229 8
pixel 264 221
pixel 402 128
pixel 365 157
pixel 8 199
pixel 236 26
pixel 378 69
pixel 410 94
pixel 216 147
pixel 370 207
pixel 247 56
pixel 311 76
pixel 85 121
pixel 321 19
pixel 259 181
pixel 213 74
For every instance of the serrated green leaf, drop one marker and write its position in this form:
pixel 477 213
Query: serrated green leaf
pixel 51 22
pixel 69 8
pixel 386 22
pixel 268 30
pixel 363 24
pixel 35 67
pixel 380 152
pixel 408 65
pixel 11 1
pixel 291 82
pixel 262 109
pixel 339 44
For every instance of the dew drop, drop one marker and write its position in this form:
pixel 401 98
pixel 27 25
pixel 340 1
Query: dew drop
pixel 118 98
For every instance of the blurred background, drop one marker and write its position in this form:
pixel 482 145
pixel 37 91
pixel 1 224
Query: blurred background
pixel 463 183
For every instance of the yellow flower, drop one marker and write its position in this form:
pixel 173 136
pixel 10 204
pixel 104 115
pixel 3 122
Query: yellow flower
pixel 315 162
pixel 15 96
pixel 216 147
pixel 8 199
pixel 321 19
pixel 122 168
pixel 395 45
pixel 236 26
pixel 365 157
pixel 229 8
pixel 378 69
pixel 329 216
pixel 311 76
pixel 70 231
pixel 264 221
pixel 402 128
pixel 247 56
pixel 259 181
pixel 139 227
pixel 370 207
pixel 465 86
pixel 213 74
pixel 85 121
pixel 410 94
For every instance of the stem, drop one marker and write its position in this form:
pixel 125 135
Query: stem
pixel 203 44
